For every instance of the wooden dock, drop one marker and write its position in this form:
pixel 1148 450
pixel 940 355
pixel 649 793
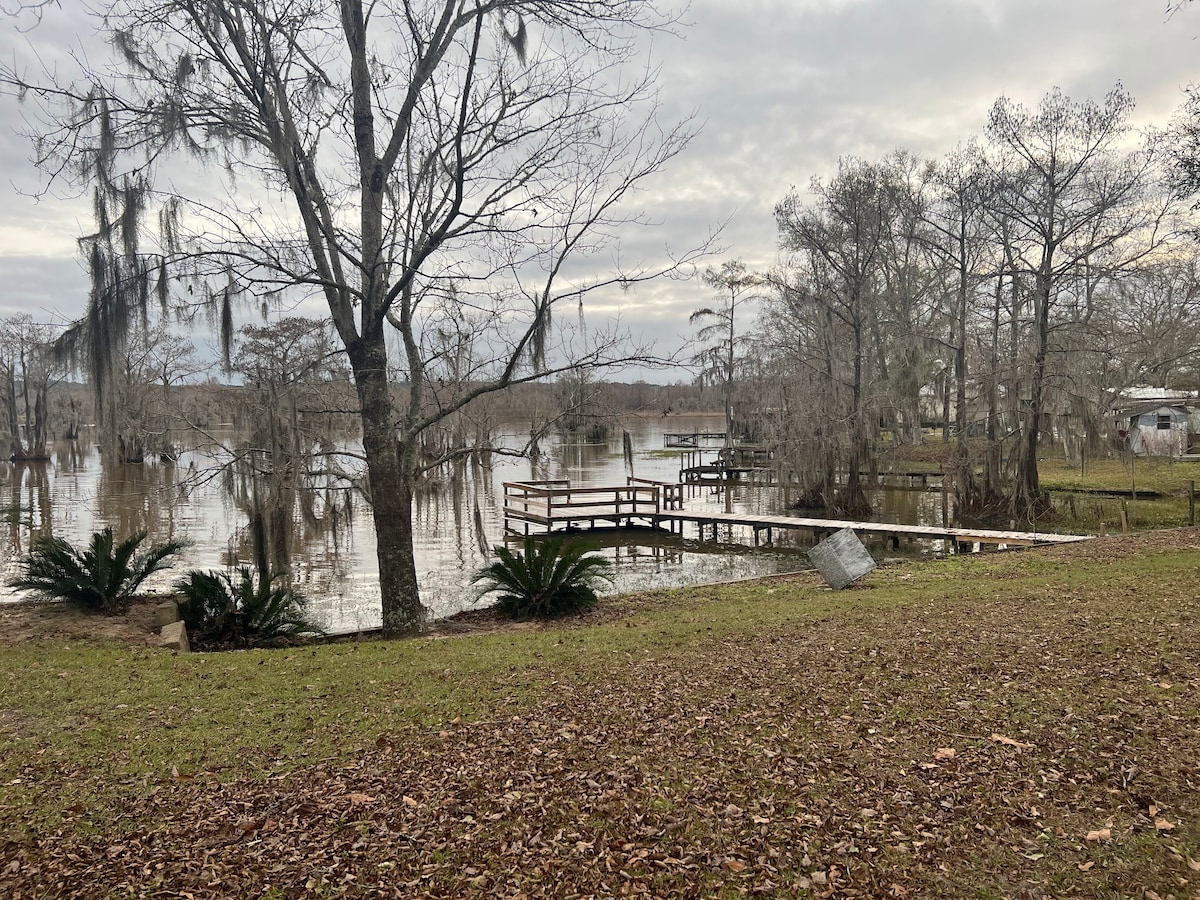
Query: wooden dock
pixel 746 463
pixel 672 439
pixel 550 506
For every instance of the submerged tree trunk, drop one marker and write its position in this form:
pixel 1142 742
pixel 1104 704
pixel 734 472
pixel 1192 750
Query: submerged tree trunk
pixel 16 450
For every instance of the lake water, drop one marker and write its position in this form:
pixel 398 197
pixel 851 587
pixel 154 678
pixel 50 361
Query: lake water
pixel 76 493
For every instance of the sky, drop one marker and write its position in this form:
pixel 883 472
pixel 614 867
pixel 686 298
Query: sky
pixel 781 90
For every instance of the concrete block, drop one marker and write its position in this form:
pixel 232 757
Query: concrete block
pixel 841 559
pixel 166 613
pixel 174 637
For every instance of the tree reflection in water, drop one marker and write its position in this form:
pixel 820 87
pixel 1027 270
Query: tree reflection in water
pixel 205 500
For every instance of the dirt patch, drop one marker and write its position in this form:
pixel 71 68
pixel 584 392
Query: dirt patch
pixel 29 620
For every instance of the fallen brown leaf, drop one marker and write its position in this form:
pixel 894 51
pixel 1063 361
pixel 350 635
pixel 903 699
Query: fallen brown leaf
pixel 817 777
pixel 1009 742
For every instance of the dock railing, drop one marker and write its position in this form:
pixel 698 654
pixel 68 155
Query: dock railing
pixel 670 492
pixel 693 438
pixel 550 502
pixel 660 504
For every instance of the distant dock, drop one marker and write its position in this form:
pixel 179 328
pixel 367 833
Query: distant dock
pixel 547 506
pixel 693 439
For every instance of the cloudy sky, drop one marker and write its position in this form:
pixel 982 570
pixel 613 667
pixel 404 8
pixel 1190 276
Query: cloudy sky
pixel 782 88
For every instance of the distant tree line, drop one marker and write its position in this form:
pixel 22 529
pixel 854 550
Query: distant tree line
pixel 1009 291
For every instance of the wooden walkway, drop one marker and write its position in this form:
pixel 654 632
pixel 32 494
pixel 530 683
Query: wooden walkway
pixel 555 505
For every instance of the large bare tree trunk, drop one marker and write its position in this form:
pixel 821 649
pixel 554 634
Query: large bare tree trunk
pixel 1027 500
pixel 391 478
pixel 853 501
pixel 965 486
pixel 993 462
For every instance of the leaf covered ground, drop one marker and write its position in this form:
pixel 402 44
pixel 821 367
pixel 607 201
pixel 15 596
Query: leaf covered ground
pixel 1010 725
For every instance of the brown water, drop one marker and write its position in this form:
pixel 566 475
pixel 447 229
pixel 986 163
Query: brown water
pixel 77 493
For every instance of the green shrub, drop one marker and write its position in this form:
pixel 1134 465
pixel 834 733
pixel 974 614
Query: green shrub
pixel 545 581
pixel 238 607
pixel 102 578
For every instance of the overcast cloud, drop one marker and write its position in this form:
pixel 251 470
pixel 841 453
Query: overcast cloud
pixel 783 88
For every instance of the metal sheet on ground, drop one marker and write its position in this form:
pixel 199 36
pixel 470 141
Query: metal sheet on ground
pixel 841 559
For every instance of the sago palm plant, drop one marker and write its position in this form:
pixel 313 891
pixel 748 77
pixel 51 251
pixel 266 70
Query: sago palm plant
pixel 240 608
pixel 544 581
pixel 101 578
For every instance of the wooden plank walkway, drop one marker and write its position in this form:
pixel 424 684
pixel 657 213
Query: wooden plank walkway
pixel 760 523
pixel 551 505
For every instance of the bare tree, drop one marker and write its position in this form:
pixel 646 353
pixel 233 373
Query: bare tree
pixel 957 222
pixel 907 332
pixel 1076 202
pixel 286 467
pixel 26 14
pixel 423 166
pixel 798 395
pixel 1151 324
pixel 112 339
pixel 838 242
pixel 27 369
pixel 733 286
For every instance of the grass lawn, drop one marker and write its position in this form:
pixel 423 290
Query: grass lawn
pixel 1162 486
pixel 1165 476
pixel 1023 724
pixel 1086 501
